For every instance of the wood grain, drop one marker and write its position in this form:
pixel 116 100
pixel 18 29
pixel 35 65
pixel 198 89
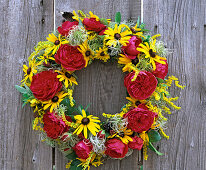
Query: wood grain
pixel 181 24
pixel 101 85
pixel 23 24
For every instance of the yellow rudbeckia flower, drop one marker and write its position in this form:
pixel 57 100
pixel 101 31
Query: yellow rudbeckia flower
pixel 102 54
pixel 55 101
pixel 150 52
pixel 67 77
pixel 117 36
pixel 86 122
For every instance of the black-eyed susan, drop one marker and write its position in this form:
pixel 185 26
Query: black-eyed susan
pixel 150 52
pixel 45 58
pixel 137 31
pixel 55 101
pixel 124 135
pixel 125 61
pixel 135 102
pixel 86 122
pixel 86 52
pixel 67 77
pixel 57 41
pixel 29 71
pixel 102 54
pixel 118 35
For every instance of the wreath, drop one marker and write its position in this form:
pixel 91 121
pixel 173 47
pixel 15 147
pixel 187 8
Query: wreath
pixel 49 82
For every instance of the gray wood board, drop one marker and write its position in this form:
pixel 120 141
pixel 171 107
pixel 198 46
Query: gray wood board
pixel 23 24
pixel 181 24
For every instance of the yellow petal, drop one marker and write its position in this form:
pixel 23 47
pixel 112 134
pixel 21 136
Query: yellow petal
pixel 85 132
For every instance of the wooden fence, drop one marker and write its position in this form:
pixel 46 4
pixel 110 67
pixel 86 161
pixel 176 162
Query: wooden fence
pixel 182 24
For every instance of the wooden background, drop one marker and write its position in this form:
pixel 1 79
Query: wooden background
pixel 182 24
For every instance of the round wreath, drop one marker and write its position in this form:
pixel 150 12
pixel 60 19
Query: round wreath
pixel 49 81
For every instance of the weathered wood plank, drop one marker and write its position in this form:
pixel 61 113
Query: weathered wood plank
pixel 181 24
pixel 23 24
pixel 100 84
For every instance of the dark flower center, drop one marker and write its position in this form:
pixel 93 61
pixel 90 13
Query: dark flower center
pixel 117 36
pixel 87 53
pixel 102 53
pixel 55 99
pixel 121 134
pixel 68 75
pixel 133 30
pixel 135 61
pixel 152 53
pixel 28 70
pixel 85 121
pixel 137 103
pixel 47 65
pixel 57 42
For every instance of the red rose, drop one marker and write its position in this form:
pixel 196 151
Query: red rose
pixel 143 86
pixel 102 32
pixel 53 126
pixel 45 85
pixel 116 148
pixel 66 27
pixel 83 149
pixel 137 143
pixel 139 119
pixel 161 70
pixel 93 25
pixel 70 58
pixel 130 50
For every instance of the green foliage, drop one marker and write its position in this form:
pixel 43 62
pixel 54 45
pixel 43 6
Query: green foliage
pixel 96 43
pixel 154 149
pixel 26 93
pixel 160 80
pixel 154 136
pixel 104 21
pixel 74 165
pixel 71 156
pixel 118 17
pixel 70 110
pixel 39 47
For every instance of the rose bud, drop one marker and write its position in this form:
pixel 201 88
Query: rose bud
pixel 143 86
pixel 116 148
pixel 83 149
pixel 161 70
pixel 93 25
pixel 130 50
pixel 66 27
pixel 53 126
pixel 137 143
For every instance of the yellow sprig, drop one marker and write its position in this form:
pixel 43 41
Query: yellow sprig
pixel 70 93
pixel 163 133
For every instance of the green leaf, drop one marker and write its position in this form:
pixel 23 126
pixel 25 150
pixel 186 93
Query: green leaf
pixel 21 89
pixel 80 23
pixel 154 136
pixel 154 149
pixel 70 109
pixel 118 17
pixel 104 21
pixel 138 22
pixel 74 165
pixel 160 80
pixel 71 156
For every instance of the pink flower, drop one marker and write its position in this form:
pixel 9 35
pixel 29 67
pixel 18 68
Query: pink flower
pixel 130 50
pixel 161 70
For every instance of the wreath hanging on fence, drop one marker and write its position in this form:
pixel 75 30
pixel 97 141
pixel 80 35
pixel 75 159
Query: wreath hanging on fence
pixel 50 78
